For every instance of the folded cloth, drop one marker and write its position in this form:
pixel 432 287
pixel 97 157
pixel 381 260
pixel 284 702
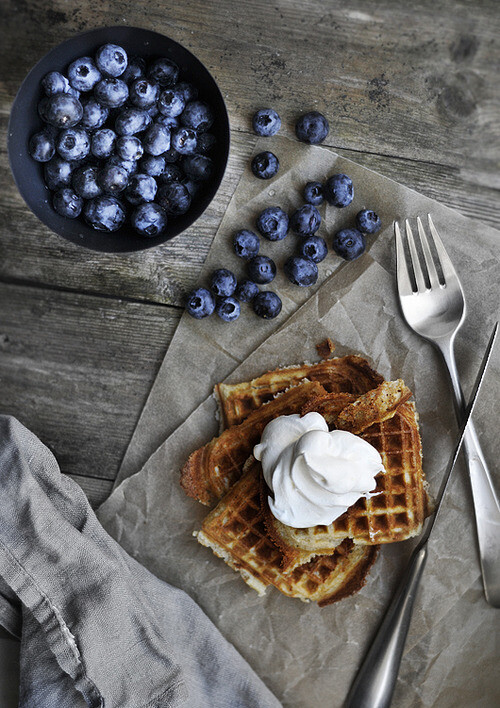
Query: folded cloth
pixel 98 629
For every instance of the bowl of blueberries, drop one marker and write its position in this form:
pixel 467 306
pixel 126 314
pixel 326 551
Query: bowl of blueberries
pixel 118 139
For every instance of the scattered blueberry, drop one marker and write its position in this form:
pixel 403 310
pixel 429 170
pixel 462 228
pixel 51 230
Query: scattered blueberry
pixel 73 144
pixel 130 166
pixel 267 305
pixel 42 146
pixel 171 173
pixel 184 141
pixel 84 181
pixel 136 69
pixel 141 188
pixel 111 93
pixel 131 121
pixel 113 178
pixel 246 244
pixel 200 303
pixel 265 165
pixel 272 223
pixel 246 291
pixel 156 139
pixel 368 222
pixel 54 82
pixel 57 173
pixel 111 59
pixel 314 248
pixel 83 74
pixel 104 213
pixel 261 269
pixel 198 116
pixel 301 271
pixel 306 220
pixel 149 219
pixel 94 115
pixel 313 193
pixel 228 309
pixel 171 102
pixel 223 282
pixel 312 128
pixel 339 190
pixel 164 71
pixel 188 91
pixel 67 203
pixel 174 198
pixel 206 142
pixel 349 244
pixel 266 122
pixel 102 143
pixel 170 122
pixel 144 93
pixel 60 110
pixel 152 165
pixel 197 167
pixel 129 147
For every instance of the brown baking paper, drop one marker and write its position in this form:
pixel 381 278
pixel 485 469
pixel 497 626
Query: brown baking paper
pixel 308 656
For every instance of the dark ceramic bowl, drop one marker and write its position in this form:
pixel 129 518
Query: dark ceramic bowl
pixel 24 121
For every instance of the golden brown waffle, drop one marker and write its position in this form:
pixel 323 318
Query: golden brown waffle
pixel 397 513
pixel 351 374
pixel 236 532
pixel 212 469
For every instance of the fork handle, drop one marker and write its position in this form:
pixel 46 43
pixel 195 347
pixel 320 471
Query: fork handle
pixel 486 505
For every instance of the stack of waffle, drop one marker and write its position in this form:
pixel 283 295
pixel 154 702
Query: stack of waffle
pixel 322 563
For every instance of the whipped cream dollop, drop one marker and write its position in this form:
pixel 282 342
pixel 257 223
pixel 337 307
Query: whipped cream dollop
pixel 314 474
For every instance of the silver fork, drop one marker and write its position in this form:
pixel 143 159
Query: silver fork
pixel 435 310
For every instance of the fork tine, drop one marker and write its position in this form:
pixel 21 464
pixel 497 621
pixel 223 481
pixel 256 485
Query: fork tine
pixel 415 261
pixel 444 260
pixel 402 275
pixel 429 261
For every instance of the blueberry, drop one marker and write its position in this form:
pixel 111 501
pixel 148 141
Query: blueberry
pixel 228 309
pixel 164 71
pixel 313 193
pixel 111 93
pixel 174 198
pixel 67 203
pixel 339 190
pixel 102 143
pixel 85 182
pixel 104 213
pixel 54 82
pixel 94 115
pixel 200 303
pixel 136 69
pixel 130 166
pixel 131 121
pixel 314 248
pixel 171 173
pixel 129 147
pixel 57 172
pixel 170 122
pixel 368 222
pixel 246 243
pixel 312 128
pixel 156 139
pixel 73 144
pixel 149 219
pixel 349 244
pixel 152 165
pixel 267 305
pixel 153 111
pixel 261 269
pixel 197 167
pixel 83 74
pixel 113 179
pixel 306 220
pixel 205 143
pixel 246 291
pixel 266 122
pixel 223 282
pixel 111 59
pixel 73 92
pixel 144 93
pixel 171 155
pixel 265 165
pixel 141 188
pixel 188 91
pixel 60 110
pixel 171 102
pixel 184 141
pixel 272 223
pixel 192 187
pixel 198 116
pixel 42 146
pixel 301 271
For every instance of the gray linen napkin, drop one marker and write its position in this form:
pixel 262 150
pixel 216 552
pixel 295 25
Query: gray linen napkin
pixel 98 629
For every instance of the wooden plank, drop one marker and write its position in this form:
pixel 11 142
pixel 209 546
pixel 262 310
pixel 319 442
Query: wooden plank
pixel 76 370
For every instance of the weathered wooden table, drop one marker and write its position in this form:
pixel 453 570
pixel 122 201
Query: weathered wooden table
pixel 410 89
